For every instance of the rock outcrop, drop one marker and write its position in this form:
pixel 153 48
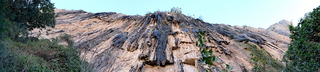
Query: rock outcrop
pixel 282 27
pixel 160 41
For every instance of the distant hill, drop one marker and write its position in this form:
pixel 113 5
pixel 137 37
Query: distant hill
pixel 166 42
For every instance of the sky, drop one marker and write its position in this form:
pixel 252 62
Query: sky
pixel 255 13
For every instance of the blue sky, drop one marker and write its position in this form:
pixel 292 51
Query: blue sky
pixel 255 13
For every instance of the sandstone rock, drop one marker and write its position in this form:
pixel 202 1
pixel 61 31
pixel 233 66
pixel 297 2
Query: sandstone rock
pixel 282 27
pixel 161 41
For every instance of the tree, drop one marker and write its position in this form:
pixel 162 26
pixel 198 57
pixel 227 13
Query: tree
pixel 304 50
pixel 19 16
pixel 2 19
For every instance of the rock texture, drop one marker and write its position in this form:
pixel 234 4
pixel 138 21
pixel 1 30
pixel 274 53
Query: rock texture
pixel 159 41
pixel 282 27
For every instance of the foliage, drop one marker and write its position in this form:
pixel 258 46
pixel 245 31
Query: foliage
pixel 231 36
pixel 206 55
pixel 31 13
pixel 18 52
pixel 67 38
pixel 42 55
pixel 176 10
pixel 200 18
pixel 262 60
pixel 228 68
pixel 19 16
pixel 3 21
pixel 304 50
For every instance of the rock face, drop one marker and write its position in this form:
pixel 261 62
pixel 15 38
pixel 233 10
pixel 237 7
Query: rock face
pixel 160 41
pixel 282 27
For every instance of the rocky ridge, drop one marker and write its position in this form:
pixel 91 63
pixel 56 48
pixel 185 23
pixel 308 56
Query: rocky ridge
pixel 281 27
pixel 161 41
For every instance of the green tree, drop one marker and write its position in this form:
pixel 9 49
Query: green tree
pixel 19 53
pixel 304 50
pixel 2 18
pixel 19 16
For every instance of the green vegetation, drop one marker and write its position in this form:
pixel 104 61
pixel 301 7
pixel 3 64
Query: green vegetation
pixel 19 16
pixel 200 18
pixel 18 52
pixel 304 50
pixel 231 36
pixel 42 55
pixel 30 13
pixel 228 68
pixel 206 55
pixel 262 60
pixel 176 10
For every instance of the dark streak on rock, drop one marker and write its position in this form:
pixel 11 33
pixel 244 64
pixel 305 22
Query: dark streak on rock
pixel 119 40
pixel 97 40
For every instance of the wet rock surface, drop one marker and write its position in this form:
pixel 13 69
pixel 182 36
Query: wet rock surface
pixel 160 41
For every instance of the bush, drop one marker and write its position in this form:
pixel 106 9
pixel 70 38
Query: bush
pixel 206 55
pixel 176 10
pixel 67 38
pixel 231 36
pixel 40 56
pixel 262 60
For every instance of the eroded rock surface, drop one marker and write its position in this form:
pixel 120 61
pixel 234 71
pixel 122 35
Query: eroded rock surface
pixel 160 41
pixel 282 27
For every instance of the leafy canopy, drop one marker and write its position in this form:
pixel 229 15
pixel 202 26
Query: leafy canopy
pixel 31 13
pixel 19 16
pixel 304 50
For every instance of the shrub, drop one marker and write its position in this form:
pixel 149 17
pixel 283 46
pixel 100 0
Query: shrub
pixel 262 60
pixel 176 10
pixel 40 56
pixel 228 68
pixel 231 36
pixel 67 38
pixel 206 55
